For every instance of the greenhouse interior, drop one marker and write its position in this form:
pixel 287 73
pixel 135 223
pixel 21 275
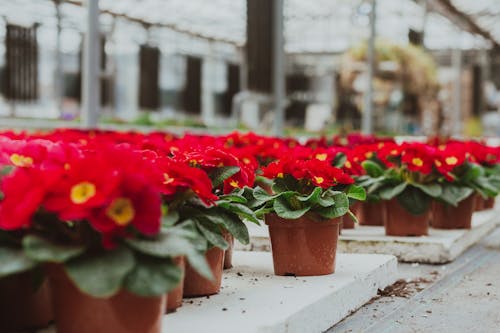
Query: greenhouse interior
pixel 251 166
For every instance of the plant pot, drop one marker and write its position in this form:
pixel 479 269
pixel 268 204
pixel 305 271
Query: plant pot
pixel 174 297
pixel 196 285
pixel 478 202
pixel 400 222
pixel 228 255
pixel 372 213
pixel 489 203
pixel 76 312
pixel 445 216
pixel 22 307
pixel 303 247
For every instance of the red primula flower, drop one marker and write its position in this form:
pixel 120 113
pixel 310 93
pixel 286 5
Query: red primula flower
pixel 135 203
pixel 448 158
pixel 418 157
pixel 24 190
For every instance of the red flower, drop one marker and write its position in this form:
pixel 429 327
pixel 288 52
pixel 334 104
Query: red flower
pixel 135 204
pixel 448 158
pixel 24 190
pixel 418 157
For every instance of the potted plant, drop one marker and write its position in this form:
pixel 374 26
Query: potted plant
pixel 407 184
pixel 460 179
pixel 94 224
pixel 304 213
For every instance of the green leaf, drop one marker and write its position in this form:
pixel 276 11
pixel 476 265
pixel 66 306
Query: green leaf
pixel 356 192
pixel 339 160
pixel 392 191
pixel 453 194
pixel 13 260
pixel 340 208
pixel 211 232
pixel 232 224
pixel 473 172
pixel 283 209
pixel 101 274
pixel 171 242
pixel 233 198
pixel 312 198
pixel 260 194
pixel 170 219
pixel 43 250
pixel 372 169
pixel 219 175
pixel 153 277
pixel 240 210
pixel 434 190
pixel 414 201
pixel 198 261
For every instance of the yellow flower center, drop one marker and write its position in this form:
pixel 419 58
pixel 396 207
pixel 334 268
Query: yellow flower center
pixel 380 145
pixel 321 157
pixel 348 165
pixel 394 152
pixel 452 160
pixel 368 154
pixel 246 160
pixel 280 175
pixel 234 183
pixel 167 179
pixel 438 163
pixel 21 160
pixel 319 180
pixel 417 161
pixel 121 211
pixel 82 192
pixel 67 166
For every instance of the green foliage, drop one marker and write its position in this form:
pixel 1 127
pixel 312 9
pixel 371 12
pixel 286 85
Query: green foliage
pixel 101 274
pixel 13 261
pixel 42 250
pixel 292 200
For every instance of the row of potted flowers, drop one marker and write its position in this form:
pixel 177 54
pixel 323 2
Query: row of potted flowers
pixel 124 225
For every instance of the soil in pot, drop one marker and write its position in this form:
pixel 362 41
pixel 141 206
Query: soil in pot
pixel 372 213
pixel 303 247
pixel 174 297
pixel 76 312
pixel 228 255
pixel 400 222
pixel 23 306
pixel 445 216
pixel 196 285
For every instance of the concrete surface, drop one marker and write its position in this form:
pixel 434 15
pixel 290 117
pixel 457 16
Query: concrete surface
pixel 254 300
pixel 463 296
pixel 440 246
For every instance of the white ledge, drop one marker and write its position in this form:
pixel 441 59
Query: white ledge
pixel 254 300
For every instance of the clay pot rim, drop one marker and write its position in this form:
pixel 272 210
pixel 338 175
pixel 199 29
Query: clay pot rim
pixel 306 221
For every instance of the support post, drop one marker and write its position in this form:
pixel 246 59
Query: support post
pixel 456 60
pixel 91 68
pixel 58 75
pixel 278 69
pixel 367 117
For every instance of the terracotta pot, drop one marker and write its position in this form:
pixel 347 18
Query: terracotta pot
pixel 196 285
pixel 372 213
pixel 347 222
pixel 478 202
pixel 305 246
pixel 400 222
pixel 76 312
pixel 228 255
pixel 446 216
pixel 174 297
pixel 489 203
pixel 21 307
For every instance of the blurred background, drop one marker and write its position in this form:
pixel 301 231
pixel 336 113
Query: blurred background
pixel 294 67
